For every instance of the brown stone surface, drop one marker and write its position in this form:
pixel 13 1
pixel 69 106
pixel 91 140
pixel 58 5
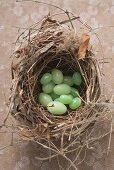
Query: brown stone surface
pixel 14 17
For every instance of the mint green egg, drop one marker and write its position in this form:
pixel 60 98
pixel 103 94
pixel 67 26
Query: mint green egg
pixel 77 78
pixel 76 102
pixel 46 78
pixel 56 108
pixel 58 99
pixel 68 80
pixel 62 89
pixel 44 99
pixel 74 92
pixel 57 76
pixel 48 88
pixel 54 96
pixel 66 99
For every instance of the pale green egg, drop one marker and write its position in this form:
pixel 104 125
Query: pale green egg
pixel 58 99
pixel 46 78
pixel 68 80
pixel 77 78
pixel 44 99
pixel 56 108
pixel 74 92
pixel 48 88
pixel 66 99
pixel 54 96
pixel 76 102
pixel 62 89
pixel 57 76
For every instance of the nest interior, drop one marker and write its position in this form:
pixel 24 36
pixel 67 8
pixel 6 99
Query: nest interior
pixel 53 46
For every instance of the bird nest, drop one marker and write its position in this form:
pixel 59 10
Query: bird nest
pixel 54 45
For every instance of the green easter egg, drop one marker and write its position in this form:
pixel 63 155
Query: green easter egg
pixel 77 78
pixel 44 99
pixel 66 99
pixel 58 99
pixel 46 78
pixel 68 80
pixel 76 102
pixel 56 108
pixel 74 92
pixel 54 96
pixel 48 88
pixel 62 89
pixel 57 76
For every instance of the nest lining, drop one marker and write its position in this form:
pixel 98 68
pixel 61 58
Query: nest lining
pixel 54 46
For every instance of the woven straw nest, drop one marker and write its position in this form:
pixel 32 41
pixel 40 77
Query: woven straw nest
pixel 53 45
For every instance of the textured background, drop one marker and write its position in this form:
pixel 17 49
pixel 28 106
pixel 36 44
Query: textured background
pixel 98 14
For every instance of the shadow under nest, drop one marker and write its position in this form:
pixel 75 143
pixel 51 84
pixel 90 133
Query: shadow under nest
pixel 54 46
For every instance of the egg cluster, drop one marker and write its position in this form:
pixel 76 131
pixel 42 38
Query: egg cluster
pixel 59 92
